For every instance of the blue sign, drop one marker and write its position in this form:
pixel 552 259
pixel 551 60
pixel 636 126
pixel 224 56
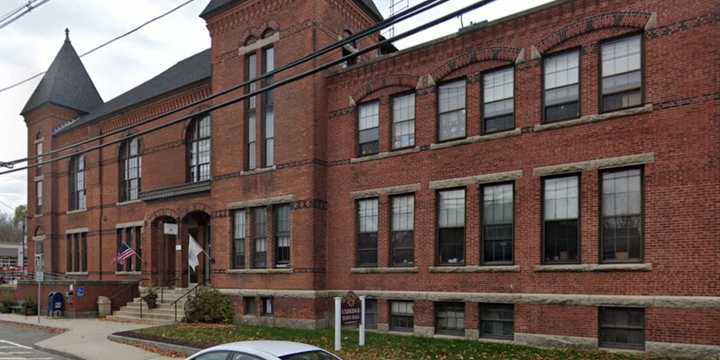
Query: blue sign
pixel 80 292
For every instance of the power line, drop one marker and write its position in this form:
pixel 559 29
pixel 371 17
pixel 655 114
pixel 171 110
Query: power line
pixel 274 85
pixel 13 12
pixel 21 82
pixel 30 6
pixel 424 6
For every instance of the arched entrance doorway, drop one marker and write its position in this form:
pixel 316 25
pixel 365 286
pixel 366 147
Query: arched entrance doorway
pixel 196 226
pixel 164 233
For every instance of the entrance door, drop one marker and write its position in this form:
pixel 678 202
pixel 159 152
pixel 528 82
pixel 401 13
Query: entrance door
pixel 203 271
pixel 163 254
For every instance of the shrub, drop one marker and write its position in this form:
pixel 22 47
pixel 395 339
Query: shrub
pixel 30 307
pixel 209 306
pixel 6 306
pixel 151 298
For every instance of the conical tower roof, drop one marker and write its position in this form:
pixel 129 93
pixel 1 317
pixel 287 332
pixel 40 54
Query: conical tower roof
pixel 66 83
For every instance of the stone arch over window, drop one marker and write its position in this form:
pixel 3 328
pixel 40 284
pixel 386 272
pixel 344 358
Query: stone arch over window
pixel 622 19
pixel 39 231
pixel 404 81
pixel 268 32
pixel 38 136
pixel 472 56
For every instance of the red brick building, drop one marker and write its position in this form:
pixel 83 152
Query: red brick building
pixel 549 178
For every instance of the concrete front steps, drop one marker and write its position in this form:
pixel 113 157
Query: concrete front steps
pixel 163 314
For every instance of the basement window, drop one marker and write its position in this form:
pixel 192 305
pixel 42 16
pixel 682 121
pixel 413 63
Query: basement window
pixel 622 328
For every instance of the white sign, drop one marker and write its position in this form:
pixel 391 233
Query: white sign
pixel 170 229
pixel 178 247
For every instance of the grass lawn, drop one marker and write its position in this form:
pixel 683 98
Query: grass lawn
pixel 379 346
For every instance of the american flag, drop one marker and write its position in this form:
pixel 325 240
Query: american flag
pixel 124 252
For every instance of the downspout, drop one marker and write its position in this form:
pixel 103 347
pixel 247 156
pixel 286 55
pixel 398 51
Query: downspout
pixel 100 220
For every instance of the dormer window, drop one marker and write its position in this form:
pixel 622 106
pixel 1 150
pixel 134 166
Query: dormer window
pixel 349 49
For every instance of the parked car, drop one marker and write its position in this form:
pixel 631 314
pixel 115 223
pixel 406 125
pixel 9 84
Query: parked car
pixel 264 350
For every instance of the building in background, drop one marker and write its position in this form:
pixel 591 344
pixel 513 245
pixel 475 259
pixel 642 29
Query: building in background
pixel 549 178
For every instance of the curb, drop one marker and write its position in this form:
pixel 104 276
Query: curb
pixel 56 352
pixel 166 347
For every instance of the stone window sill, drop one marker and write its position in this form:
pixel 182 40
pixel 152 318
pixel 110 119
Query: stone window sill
pixel 594 118
pixel 259 170
pixel 129 202
pixel 385 155
pixel 495 341
pixel 261 271
pixel 73 212
pixel 384 270
pixel 476 139
pixel 128 273
pixel 77 273
pixel 593 267
pixel 474 269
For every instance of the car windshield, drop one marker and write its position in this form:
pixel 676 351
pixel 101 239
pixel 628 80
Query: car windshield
pixel 310 355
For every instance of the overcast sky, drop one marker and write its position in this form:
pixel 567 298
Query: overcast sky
pixel 29 45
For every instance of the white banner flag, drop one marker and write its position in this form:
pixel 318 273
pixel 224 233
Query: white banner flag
pixel 194 250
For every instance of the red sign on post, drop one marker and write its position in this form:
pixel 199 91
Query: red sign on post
pixel 350 309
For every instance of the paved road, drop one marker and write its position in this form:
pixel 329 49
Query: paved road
pixel 16 343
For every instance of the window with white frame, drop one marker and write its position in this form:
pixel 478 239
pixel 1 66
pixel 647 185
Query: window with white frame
pixel 403 230
pixel 369 128
pixel 239 231
pixel 269 112
pixel 259 237
pixel 497 224
pixel 621 73
pixel 251 113
pixel 561 226
pixel 621 211
pixel 281 231
pixel 451 110
pixel 498 100
pixel 77 183
pixel 562 86
pixel 403 108
pixel 402 316
pixel 130 171
pixel 199 149
pixel 367 215
pixel 451 227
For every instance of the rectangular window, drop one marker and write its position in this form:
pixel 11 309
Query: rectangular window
pixel 39 152
pixel 239 231
pixel 251 113
pixel 38 197
pixel 497 224
pixel 249 306
pixel 622 215
pixel 78 195
pixel 76 253
pixel 403 230
pixel 451 110
pixel 368 128
pixel 367 214
pixel 269 112
pixel 451 227
pixel 450 319
pixel 496 321
pixel 560 218
pixel 371 313
pixel 403 121
pixel 282 235
pixel 562 86
pixel 260 237
pixel 267 306
pixel 622 328
pixel 621 73
pixel 498 100
pixel 132 237
pixel 402 316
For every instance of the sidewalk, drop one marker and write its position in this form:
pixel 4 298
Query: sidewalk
pixel 87 338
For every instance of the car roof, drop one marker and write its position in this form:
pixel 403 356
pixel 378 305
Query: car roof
pixel 266 347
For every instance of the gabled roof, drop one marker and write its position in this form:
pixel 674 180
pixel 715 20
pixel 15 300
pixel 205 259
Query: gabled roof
pixel 66 83
pixel 214 5
pixel 186 72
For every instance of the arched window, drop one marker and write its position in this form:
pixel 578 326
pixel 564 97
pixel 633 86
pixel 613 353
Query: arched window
pixel 130 170
pixel 198 149
pixel 78 200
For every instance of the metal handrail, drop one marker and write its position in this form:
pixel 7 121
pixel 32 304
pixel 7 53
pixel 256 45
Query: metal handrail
pixel 175 303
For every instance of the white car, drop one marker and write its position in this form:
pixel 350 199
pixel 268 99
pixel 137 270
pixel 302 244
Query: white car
pixel 264 350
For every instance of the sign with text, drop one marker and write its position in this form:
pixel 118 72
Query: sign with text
pixel 170 229
pixel 350 309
